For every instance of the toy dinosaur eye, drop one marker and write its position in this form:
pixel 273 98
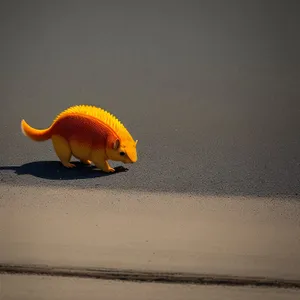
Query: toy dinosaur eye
pixel 122 153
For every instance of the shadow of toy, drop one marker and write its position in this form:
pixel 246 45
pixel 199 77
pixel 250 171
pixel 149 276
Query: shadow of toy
pixel 54 170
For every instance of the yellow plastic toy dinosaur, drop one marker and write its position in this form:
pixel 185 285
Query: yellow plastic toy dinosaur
pixel 90 134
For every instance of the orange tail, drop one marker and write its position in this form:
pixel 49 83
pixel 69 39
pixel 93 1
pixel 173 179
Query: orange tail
pixel 38 135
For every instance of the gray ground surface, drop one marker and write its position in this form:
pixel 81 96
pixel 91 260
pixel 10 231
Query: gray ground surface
pixel 65 288
pixel 149 231
pixel 33 288
pixel 211 90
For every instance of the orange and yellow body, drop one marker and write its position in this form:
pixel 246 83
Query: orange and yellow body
pixel 90 134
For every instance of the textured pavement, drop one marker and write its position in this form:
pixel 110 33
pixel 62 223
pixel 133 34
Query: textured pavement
pixel 59 227
pixel 210 90
pixel 36 288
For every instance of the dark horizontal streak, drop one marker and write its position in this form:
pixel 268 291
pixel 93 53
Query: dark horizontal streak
pixel 142 276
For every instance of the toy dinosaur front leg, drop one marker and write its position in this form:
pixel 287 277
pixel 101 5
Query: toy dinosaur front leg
pixel 104 166
pixel 85 162
pixel 99 158
pixel 63 150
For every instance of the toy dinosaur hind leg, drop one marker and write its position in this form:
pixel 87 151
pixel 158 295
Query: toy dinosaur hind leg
pixel 63 150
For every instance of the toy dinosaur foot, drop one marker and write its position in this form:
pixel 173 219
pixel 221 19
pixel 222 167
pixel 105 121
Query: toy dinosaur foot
pixel 104 166
pixel 69 165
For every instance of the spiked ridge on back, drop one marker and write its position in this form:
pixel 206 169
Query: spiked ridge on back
pixel 102 115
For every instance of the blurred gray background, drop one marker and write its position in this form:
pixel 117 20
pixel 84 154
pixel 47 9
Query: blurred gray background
pixel 210 88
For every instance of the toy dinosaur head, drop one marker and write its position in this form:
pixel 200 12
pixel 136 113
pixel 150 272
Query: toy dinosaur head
pixel 123 150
